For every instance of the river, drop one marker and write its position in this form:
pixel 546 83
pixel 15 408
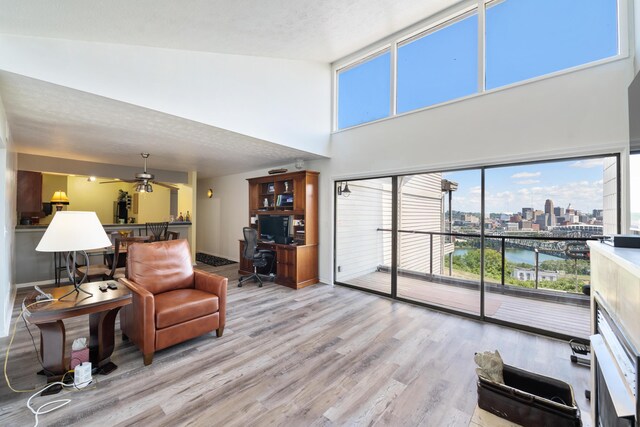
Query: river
pixel 519 256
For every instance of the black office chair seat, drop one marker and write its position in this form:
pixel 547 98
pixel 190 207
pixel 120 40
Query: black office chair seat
pixel 259 258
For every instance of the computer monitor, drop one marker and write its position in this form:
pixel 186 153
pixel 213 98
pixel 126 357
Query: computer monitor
pixel 275 227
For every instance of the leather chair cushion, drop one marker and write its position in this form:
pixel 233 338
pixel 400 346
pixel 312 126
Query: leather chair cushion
pixel 160 266
pixel 182 305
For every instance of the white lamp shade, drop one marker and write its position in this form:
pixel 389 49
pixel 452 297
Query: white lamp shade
pixel 73 231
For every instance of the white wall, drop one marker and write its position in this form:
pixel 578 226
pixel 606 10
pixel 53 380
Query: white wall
pixel 579 113
pixel 277 100
pixel 220 219
pixel 7 223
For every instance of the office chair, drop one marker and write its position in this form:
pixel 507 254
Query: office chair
pixel 259 258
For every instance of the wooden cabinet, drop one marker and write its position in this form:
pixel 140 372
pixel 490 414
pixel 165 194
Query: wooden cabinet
pixel 295 195
pixel 295 266
pixel 29 193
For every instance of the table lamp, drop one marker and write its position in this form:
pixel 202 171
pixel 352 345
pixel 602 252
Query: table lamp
pixel 72 231
pixel 59 199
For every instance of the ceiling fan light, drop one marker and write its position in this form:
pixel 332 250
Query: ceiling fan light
pixel 140 187
pixel 148 188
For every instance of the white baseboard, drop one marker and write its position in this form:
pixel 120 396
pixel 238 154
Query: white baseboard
pixel 32 284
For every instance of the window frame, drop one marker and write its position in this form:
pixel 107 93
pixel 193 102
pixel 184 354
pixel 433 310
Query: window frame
pixel 351 65
pixel 441 20
pixel 441 25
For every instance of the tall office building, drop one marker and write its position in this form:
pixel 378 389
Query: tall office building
pixel 548 209
pixel 527 213
pixel 558 210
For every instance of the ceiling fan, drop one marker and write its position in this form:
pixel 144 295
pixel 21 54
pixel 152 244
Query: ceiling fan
pixel 143 180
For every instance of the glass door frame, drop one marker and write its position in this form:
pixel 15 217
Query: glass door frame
pixel 394 239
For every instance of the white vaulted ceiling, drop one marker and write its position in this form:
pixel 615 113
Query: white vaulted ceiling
pixel 212 86
pixel 314 30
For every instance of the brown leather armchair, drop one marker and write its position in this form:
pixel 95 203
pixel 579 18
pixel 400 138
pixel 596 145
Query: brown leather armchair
pixel 172 302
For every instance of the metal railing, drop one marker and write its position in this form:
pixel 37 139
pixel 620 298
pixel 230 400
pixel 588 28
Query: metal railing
pixel 574 247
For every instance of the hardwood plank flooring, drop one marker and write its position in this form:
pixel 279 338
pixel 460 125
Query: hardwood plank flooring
pixel 319 356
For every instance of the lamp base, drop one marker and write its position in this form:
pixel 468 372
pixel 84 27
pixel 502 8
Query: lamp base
pixel 71 271
pixel 77 289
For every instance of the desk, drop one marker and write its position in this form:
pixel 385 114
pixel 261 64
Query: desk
pixel 295 266
pixel 102 309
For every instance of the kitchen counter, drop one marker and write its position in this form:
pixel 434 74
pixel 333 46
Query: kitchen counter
pixel 33 268
pixel 20 228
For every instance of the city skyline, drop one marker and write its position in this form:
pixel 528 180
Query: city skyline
pixel 511 188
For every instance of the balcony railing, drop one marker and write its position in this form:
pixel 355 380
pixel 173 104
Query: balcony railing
pixel 571 248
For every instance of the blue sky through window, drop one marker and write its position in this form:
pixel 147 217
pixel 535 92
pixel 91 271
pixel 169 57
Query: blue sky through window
pixel 524 39
pixel 510 188
pixel 439 66
pixel 365 92
pixel 530 38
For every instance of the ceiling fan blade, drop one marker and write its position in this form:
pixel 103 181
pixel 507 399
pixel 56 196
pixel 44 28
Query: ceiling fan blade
pixel 118 180
pixel 171 187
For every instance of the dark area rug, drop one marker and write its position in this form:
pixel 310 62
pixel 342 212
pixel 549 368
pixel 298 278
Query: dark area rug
pixel 215 261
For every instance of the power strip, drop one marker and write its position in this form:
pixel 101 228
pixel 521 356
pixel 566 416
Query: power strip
pixel 82 375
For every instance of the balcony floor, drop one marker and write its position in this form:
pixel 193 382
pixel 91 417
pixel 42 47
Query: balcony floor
pixel 557 317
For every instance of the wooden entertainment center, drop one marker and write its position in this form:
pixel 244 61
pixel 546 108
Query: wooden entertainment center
pixel 293 194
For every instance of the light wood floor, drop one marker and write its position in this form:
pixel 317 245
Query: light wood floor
pixel 566 319
pixel 321 355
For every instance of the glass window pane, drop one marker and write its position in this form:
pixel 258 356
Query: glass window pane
pixel 439 66
pixel 364 91
pixel 430 249
pixel 538 218
pixel 530 38
pixel 363 234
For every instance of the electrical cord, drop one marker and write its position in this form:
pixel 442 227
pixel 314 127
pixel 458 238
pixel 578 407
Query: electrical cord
pixel 60 402
pixel 35 347
pixel 13 335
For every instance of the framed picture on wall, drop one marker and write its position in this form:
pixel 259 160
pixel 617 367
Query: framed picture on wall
pixel 270 188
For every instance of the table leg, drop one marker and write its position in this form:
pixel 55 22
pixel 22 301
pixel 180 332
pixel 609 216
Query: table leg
pixel 52 337
pixel 101 341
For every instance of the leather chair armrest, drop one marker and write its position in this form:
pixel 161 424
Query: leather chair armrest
pixel 216 285
pixel 137 320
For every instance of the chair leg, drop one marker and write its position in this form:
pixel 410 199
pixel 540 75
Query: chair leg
pixel 148 359
pixel 219 331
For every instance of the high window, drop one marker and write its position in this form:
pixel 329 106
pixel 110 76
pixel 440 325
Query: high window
pixel 522 39
pixel 530 38
pixel 363 91
pixel 439 66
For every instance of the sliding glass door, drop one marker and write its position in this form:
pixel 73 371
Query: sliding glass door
pixel 536 257
pixel 431 235
pixel 503 243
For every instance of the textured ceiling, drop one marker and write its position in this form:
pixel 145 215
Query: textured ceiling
pixel 297 29
pixel 56 121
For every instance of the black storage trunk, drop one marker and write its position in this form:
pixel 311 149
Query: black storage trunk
pixel 529 399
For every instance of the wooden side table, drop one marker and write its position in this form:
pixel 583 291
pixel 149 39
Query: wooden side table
pixel 102 309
